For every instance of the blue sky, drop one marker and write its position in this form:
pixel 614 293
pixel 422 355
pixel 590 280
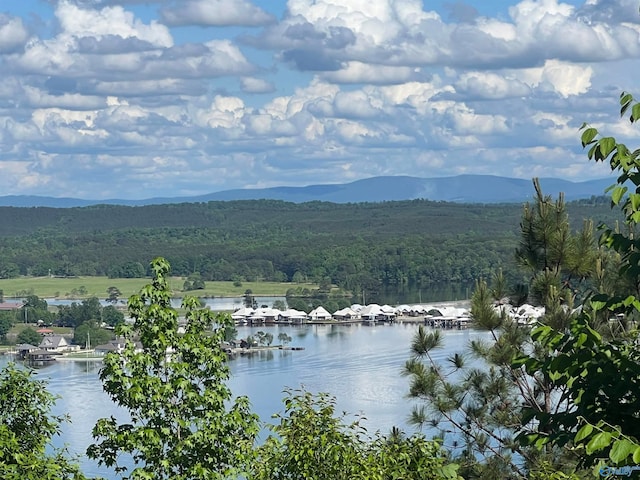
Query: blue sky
pixel 135 99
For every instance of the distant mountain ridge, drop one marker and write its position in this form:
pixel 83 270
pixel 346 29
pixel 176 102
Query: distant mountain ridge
pixel 460 189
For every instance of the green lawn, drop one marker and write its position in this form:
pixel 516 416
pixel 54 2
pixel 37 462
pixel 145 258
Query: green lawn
pixel 18 327
pixel 84 287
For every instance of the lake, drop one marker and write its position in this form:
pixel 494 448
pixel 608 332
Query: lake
pixel 360 365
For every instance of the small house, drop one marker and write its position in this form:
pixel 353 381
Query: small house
pixel 56 343
pixel 23 349
pixel 319 314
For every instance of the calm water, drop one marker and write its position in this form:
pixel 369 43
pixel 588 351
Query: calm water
pixel 360 365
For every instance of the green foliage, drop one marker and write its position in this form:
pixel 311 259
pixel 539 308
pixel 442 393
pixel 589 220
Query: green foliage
pixel 263 338
pixel 546 471
pixel 553 255
pixel 90 334
pixel 9 270
pixel 280 305
pixel 357 247
pixel 626 163
pixel 609 414
pixel 299 304
pixel 478 403
pixel 6 322
pixel 249 299
pixel 112 316
pixel 230 333
pixel 30 336
pixel 131 269
pixel 311 442
pixel 471 405
pixel 34 309
pixel 79 313
pixel 113 294
pixel 26 430
pixel 601 380
pixel 184 422
pixel 598 376
pixel 193 282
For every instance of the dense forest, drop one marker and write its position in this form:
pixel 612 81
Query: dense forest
pixel 355 246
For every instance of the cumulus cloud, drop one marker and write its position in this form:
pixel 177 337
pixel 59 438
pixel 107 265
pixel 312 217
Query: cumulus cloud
pixel 561 77
pixel 323 89
pixel 215 13
pixel 13 34
pixel 401 32
pixel 110 51
pixel 81 22
pixel 491 85
pixel 359 72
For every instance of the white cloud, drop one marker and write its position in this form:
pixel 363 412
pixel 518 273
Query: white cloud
pixel 69 101
pixel 401 33
pixel 225 112
pixel 555 126
pixel 328 90
pixel 359 104
pixel 564 78
pixel 467 122
pixel 359 72
pixel 491 85
pixel 81 22
pixel 256 85
pixel 215 13
pixel 13 33
pixel 567 79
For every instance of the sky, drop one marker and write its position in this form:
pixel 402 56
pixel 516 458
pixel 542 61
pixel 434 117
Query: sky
pixel 135 99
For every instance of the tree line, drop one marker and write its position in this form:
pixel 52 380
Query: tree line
pixel 358 247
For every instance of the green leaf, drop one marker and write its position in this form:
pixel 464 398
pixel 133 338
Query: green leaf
pixel 625 101
pixel 598 305
pixel 621 450
pixel 635 112
pixel 607 145
pixel 583 433
pixel 555 376
pixel 588 135
pixel 617 194
pixel 582 337
pixel 598 442
pixel 636 455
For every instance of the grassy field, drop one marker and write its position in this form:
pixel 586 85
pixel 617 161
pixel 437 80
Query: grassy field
pixel 18 327
pixel 84 287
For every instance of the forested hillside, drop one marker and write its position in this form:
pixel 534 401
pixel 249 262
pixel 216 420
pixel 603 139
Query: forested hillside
pixel 356 246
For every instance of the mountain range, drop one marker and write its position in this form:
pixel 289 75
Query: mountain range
pixel 460 189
